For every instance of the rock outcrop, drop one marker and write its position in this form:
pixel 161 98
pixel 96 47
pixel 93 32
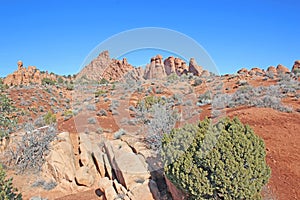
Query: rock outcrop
pixel 110 165
pixel 194 68
pixel 272 70
pixel 105 67
pixel 296 66
pixel 32 75
pixel 156 69
pixel 282 69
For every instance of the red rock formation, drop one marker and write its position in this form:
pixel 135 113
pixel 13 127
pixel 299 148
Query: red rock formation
pixel 170 65
pixel 296 66
pixel 242 71
pixel 282 69
pixel 28 76
pixel 156 69
pixel 256 71
pixel 104 67
pixel 272 70
pixel 194 67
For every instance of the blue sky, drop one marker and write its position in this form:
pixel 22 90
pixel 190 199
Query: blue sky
pixel 57 35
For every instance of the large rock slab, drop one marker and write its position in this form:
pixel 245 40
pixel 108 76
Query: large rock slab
pixel 60 163
pixel 129 168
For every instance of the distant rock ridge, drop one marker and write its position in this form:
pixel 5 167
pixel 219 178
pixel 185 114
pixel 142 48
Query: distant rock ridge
pixel 280 69
pixel 31 75
pixel 105 67
pixel 113 70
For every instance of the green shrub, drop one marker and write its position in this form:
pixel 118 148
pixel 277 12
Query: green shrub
pixel 60 80
pixel 103 81
pixel 225 160
pixel 50 118
pixel 149 101
pixel 100 93
pixel 7 192
pixel 70 86
pixel 48 81
pixel 8 121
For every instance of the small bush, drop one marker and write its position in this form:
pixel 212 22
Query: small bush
pixel 197 82
pixel 92 120
pixel 7 191
pixel 91 107
pixel 102 112
pixel 47 81
pixel 45 185
pixel 149 101
pixel 100 93
pixel 50 118
pixel 162 122
pixel 119 133
pixel 68 114
pixel 103 81
pixel 31 150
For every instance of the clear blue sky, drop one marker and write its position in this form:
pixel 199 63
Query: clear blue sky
pixel 57 35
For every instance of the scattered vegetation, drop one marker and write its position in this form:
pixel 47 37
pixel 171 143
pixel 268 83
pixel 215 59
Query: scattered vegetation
pixel 225 160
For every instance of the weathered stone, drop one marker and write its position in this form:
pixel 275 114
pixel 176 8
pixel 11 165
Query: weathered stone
pixel 60 163
pixel 146 191
pixel 83 177
pixel 106 186
pixel 98 155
